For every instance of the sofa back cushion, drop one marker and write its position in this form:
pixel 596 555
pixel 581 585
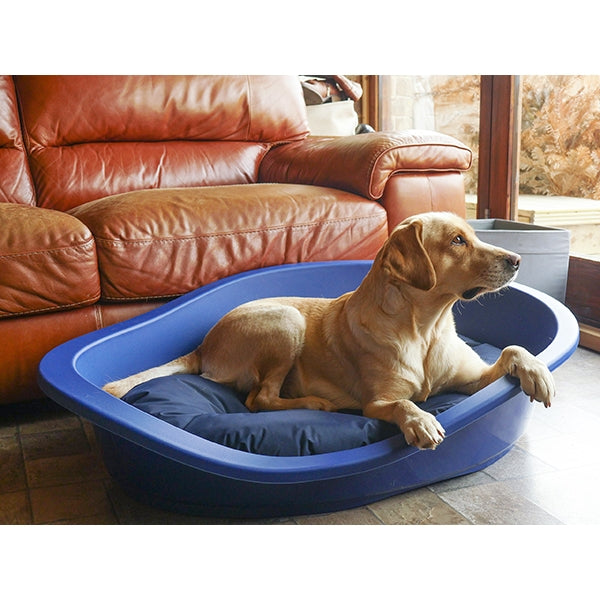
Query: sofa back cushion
pixel 94 136
pixel 15 181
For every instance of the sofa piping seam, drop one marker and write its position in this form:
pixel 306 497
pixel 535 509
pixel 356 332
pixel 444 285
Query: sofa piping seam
pixel 79 246
pixel 105 242
pixel 57 307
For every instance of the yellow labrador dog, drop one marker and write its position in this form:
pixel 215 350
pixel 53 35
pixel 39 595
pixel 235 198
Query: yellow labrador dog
pixel 383 348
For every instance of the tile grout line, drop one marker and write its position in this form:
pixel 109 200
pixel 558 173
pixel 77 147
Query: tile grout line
pixel 471 522
pixel 111 502
pixel 368 506
pixel 27 486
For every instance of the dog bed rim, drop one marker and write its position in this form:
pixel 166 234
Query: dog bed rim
pixel 117 417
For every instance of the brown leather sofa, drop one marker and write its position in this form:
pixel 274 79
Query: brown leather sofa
pixel 120 192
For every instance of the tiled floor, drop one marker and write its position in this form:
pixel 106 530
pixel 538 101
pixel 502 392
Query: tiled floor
pixel 51 472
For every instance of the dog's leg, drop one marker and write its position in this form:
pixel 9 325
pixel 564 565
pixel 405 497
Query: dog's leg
pixel 190 363
pixel 272 364
pixel 420 428
pixel 253 349
pixel 265 396
pixel 535 378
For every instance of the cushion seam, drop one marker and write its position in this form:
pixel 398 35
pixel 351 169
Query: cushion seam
pixel 167 240
pixel 78 246
pixel 54 308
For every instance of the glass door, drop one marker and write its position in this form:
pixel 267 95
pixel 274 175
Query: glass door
pixel 559 179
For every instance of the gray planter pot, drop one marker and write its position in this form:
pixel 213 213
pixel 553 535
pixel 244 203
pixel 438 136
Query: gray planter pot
pixel 544 252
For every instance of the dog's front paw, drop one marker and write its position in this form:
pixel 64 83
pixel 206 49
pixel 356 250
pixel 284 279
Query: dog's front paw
pixel 423 430
pixel 537 382
pixel 535 378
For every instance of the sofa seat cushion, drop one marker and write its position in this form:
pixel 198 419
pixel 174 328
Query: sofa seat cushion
pixel 47 261
pixel 166 242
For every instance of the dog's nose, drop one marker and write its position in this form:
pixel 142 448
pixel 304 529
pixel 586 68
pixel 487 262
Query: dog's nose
pixel 513 260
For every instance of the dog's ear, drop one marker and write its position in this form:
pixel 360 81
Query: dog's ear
pixel 405 259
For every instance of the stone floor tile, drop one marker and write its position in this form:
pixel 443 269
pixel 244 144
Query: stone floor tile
pixel 59 470
pixel 15 509
pixel 46 444
pixel 538 428
pixel 565 451
pixel 74 501
pixel 354 516
pixel 45 416
pixel 567 417
pixel 456 483
pixel 574 383
pixel 8 424
pixel 418 507
pixel 570 495
pixel 12 469
pixel 515 464
pixel 103 519
pixel 497 504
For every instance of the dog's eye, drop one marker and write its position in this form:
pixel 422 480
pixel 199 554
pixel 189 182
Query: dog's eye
pixel 459 240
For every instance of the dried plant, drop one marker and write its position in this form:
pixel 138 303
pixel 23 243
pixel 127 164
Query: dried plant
pixel 560 136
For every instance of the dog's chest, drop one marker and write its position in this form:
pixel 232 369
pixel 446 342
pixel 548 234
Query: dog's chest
pixel 416 368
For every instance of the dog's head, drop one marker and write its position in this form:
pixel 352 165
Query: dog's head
pixel 439 252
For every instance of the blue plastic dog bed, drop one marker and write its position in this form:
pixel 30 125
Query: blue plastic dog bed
pixel 189 445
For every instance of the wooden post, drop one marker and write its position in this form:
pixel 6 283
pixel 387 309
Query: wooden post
pixel 499 134
pixel 369 103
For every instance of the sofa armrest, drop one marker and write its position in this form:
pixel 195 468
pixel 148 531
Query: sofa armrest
pixel 47 261
pixel 362 164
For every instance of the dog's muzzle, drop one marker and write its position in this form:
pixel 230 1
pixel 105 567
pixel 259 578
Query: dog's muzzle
pixel 505 273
